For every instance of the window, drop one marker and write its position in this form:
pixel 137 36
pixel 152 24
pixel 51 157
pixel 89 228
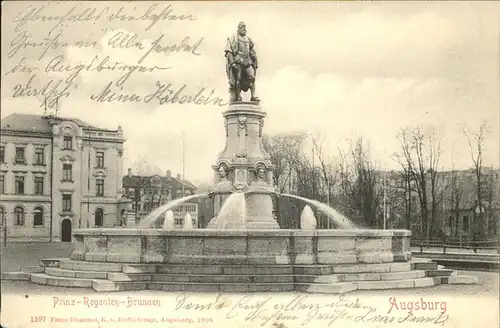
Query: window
pixel 98 217
pixel 20 158
pixel 2 180
pixel 38 185
pixel 2 215
pixel 19 185
pixel 39 156
pixel 100 187
pixel 66 203
pixel 19 216
pixel 67 172
pixel 2 154
pixel 38 216
pixel 68 143
pixel 100 159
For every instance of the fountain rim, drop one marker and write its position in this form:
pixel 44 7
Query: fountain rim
pixel 241 232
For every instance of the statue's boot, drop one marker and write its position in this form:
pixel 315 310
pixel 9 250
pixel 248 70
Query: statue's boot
pixel 253 97
pixel 237 90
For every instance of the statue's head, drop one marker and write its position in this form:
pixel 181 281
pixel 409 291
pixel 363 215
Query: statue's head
pixel 222 171
pixel 242 29
pixel 261 173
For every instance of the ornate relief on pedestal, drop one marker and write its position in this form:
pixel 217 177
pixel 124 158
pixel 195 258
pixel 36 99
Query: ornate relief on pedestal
pixel 260 170
pixel 242 124
pixel 240 176
pixel 261 126
pixel 226 127
pixel 241 154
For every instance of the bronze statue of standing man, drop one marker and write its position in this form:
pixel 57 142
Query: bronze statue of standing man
pixel 241 64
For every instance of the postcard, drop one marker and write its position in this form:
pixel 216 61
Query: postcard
pixel 250 164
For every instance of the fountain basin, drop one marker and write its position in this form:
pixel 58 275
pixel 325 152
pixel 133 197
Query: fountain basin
pixel 245 247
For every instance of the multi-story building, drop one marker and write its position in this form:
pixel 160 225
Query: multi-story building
pixel 149 192
pixel 58 174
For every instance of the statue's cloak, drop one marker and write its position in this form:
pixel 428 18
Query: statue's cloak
pixel 232 48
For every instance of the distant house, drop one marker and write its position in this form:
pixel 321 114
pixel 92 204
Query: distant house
pixel 458 212
pixel 150 192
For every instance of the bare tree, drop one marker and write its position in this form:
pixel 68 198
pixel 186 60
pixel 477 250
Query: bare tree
pixel 326 167
pixel 358 180
pixel 422 152
pixel 476 143
pixel 433 149
pixel 407 190
pixel 456 191
pixel 285 151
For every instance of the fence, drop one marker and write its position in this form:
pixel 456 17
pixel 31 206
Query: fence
pixel 455 243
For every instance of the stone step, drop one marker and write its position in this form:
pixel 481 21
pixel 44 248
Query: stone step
pixel 26 276
pixel 51 262
pixel 441 273
pixel 398 284
pixel 58 272
pixel 123 277
pixel 336 288
pixel 220 278
pixel 90 266
pixel 424 266
pixel 372 268
pixel 235 270
pixel 318 269
pixel 238 287
pixel 220 287
pixel 382 276
pixel 244 278
pixel 44 279
pixel 111 286
pixel 459 280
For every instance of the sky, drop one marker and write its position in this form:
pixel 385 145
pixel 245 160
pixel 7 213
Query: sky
pixel 335 69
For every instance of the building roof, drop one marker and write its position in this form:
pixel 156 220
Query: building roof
pixel 38 123
pixel 186 183
pixel 137 181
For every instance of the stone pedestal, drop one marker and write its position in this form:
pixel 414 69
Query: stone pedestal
pixel 244 166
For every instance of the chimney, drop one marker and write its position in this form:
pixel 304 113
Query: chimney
pixel 169 174
pixel 129 172
pixel 179 177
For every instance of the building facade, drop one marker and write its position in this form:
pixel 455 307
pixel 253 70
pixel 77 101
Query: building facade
pixel 58 174
pixel 150 192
